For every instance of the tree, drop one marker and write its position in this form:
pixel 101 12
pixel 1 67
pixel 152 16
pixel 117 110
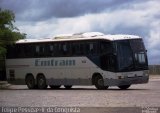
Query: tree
pixel 8 34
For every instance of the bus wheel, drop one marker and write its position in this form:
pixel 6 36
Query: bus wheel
pixel 68 86
pixel 55 86
pixel 99 83
pixel 30 82
pixel 41 82
pixel 123 87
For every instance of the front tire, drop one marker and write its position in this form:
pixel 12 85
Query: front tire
pixel 68 86
pixel 99 83
pixel 123 87
pixel 41 82
pixel 30 82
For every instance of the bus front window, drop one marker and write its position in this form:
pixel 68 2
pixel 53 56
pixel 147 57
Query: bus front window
pixel 124 56
pixel 139 53
pixel 131 55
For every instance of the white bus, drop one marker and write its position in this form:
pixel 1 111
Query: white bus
pixel 78 59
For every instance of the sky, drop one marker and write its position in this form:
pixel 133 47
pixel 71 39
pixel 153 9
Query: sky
pixel 47 18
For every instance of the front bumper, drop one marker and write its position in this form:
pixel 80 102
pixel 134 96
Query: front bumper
pixel 126 81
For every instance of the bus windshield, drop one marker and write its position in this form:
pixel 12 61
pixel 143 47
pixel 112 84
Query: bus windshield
pixel 131 55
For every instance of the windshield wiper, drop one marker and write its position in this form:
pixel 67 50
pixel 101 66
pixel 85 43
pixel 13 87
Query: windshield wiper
pixel 128 68
pixel 141 67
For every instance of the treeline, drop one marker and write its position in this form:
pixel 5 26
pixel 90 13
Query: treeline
pixel 154 69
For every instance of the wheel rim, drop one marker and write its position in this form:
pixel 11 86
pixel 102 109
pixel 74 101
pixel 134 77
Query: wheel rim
pixel 100 82
pixel 41 81
pixel 30 83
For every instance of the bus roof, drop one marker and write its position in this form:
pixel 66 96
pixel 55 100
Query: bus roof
pixel 81 36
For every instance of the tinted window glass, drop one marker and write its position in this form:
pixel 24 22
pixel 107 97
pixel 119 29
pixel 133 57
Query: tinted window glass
pixel 125 58
pixel 55 49
pixel 106 47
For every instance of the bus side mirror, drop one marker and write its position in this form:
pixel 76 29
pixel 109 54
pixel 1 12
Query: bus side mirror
pixel 146 51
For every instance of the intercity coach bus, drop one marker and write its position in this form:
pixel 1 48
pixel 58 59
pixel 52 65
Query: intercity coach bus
pixel 78 59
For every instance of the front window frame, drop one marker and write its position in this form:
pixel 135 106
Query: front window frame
pixel 139 56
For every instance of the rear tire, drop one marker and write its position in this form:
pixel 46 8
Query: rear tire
pixel 99 83
pixel 41 82
pixel 55 86
pixel 68 86
pixel 30 82
pixel 124 87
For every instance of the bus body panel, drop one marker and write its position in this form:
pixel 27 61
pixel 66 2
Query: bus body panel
pixel 127 78
pixel 58 73
pixel 79 73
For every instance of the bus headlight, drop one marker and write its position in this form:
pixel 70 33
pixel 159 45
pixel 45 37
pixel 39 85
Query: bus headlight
pixel 146 73
pixel 120 77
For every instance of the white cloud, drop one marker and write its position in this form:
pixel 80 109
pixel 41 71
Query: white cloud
pixel 153 43
pixel 154 38
pixel 140 20
pixel 105 22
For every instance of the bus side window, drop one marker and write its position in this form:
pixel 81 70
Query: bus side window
pixel 82 49
pixel 40 50
pixel 75 49
pixel 106 48
pixel 47 50
pixel 19 51
pixel 60 49
pixel 57 50
pixel 51 50
pixel 37 50
pixel 92 48
pixel 64 49
pixel 30 50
